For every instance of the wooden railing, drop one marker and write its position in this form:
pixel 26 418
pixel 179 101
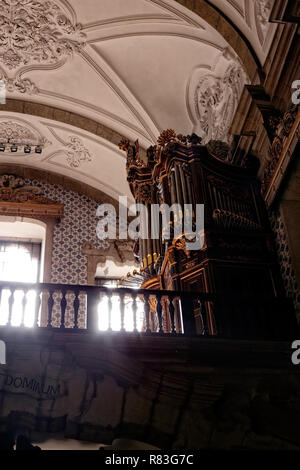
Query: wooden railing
pixel 92 308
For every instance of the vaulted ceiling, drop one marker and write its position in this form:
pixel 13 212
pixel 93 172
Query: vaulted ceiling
pixel 81 74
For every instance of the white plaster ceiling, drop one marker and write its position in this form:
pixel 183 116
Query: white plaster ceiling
pixel 135 66
pixel 67 150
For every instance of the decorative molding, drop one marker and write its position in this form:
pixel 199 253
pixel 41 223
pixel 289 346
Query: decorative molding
pixel 121 90
pixel 216 99
pixel 237 7
pixel 18 199
pixel 37 32
pixel 281 152
pixel 186 18
pixel 129 20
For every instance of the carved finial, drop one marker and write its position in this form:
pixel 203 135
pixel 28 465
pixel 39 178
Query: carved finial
pixel 124 144
pixel 166 137
pixel 132 150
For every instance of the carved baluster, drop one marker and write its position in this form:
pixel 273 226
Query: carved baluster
pixel 37 308
pixel 63 306
pixel 76 304
pixel 24 303
pixel 10 306
pixel 159 313
pixel 204 317
pixel 172 316
pixel 134 311
pixel 109 301
pixel 122 310
pixel 147 312
pixel 50 308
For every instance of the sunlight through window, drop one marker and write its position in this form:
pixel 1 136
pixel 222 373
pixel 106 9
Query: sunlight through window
pixel 115 323
pixel 19 262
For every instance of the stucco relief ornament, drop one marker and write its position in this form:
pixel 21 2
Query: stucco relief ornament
pixel 216 99
pixel 36 32
pixel 11 131
pixel 77 153
pixel 18 84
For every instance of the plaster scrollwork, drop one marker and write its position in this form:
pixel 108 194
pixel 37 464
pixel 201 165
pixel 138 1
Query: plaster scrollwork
pixel 18 84
pixel 216 98
pixel 77 153
pixel 36 32
pixel 73 148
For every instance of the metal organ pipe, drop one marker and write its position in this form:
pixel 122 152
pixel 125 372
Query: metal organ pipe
pixel 172 187
pixel 178 186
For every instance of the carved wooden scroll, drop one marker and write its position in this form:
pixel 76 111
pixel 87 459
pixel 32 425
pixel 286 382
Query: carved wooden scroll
pixel 18 199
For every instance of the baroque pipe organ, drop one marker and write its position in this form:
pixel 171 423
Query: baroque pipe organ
pixel 237 257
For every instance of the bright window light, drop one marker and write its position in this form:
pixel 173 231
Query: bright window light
pixel 19 262
pixel 103 313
